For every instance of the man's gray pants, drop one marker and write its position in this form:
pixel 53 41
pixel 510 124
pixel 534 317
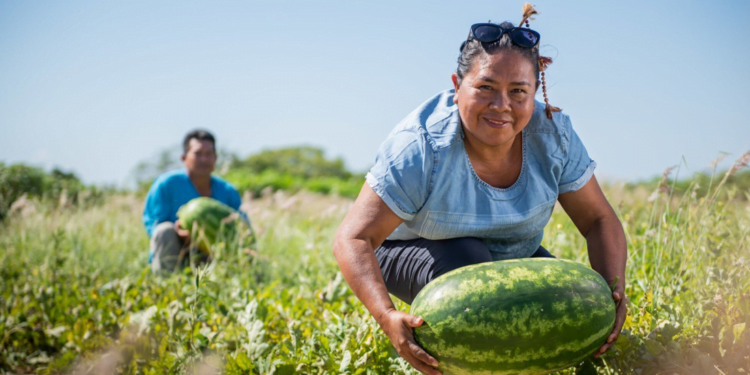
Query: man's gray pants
pixel 167 248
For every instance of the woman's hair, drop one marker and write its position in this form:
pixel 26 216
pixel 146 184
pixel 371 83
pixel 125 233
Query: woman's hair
pixel 474 49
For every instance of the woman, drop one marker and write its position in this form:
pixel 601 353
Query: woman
pixel 472 176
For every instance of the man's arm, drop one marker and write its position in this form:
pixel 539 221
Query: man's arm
pixel 156 209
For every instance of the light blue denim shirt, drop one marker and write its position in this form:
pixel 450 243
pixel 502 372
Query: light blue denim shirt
pixel 422 172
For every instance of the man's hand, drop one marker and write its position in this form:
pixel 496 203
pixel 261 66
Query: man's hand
pixel 182 233
pixel 399 326
pixel 622 312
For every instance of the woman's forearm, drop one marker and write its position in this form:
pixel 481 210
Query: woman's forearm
pixel 365 227
pixel 607 249
pixel 360 268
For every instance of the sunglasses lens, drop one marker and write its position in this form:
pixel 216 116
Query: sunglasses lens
pixel 524 38
pixel 487 33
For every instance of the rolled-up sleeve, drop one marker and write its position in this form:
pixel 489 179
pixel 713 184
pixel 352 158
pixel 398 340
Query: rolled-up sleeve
pixel 156 209
pixel 578 167
pixel 402 172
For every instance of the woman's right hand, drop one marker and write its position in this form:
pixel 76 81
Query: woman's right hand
pixel 364 228
pixel 399 326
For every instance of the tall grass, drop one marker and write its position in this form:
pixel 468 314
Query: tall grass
pixel 77 295
pixel 688 279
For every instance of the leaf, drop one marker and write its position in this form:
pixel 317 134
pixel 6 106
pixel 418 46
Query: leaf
pixel 286 369
pixel 623 343
pixel 243 362
pixel 586 368
pixel 56 331
pixel 345 361
pixel 200 341
pixel 654 347
pixel 737 329
pixel 140 320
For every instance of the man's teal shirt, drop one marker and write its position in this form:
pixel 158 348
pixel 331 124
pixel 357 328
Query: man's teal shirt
pixel 173 189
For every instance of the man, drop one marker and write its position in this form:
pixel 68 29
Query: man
pixel 173 189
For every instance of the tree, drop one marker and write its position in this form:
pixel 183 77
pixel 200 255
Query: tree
pixel 19 179
pixel 299 161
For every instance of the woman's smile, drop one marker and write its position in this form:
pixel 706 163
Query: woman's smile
pixel 497 123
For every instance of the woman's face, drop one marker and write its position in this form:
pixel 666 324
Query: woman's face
pixel 496 98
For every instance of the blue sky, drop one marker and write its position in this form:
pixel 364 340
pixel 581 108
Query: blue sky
pixel 95 87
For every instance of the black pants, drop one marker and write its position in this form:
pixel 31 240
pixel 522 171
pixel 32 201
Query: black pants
pixel 408 266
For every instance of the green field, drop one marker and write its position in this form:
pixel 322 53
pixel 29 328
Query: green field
pixel 78 297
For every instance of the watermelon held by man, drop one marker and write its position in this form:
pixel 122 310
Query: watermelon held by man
pixel 523 316
pixel 210 221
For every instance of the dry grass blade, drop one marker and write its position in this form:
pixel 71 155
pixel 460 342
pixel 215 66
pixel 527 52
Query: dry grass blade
pixel 718 160
pixel 662 186
pixel 740 163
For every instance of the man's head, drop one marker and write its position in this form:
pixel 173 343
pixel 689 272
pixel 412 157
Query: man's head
pixel 199 152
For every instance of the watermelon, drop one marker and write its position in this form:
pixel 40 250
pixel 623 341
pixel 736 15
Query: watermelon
pixel 522 316
pixel 207 219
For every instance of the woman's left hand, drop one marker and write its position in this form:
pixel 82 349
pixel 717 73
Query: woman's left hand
pixel 621 313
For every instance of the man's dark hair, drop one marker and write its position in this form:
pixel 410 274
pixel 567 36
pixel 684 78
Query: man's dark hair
pixel 199 134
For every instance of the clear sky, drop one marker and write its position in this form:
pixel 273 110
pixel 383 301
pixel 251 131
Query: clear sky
pixel 95 87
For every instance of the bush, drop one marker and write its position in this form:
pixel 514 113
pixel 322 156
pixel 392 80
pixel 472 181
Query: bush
pixel 294 169
pixel 273 180
pixel 18 180
pixel 300 161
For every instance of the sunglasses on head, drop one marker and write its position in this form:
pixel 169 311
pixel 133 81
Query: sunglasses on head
pixel 490 32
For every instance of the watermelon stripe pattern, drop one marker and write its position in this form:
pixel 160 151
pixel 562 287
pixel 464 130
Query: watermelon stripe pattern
pixel 210 217
pixel 523 316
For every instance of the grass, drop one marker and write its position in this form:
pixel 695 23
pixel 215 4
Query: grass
pixel 77 295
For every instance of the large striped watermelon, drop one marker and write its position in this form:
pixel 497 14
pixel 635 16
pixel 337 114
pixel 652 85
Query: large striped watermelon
pixel 207 219
pixel 521 316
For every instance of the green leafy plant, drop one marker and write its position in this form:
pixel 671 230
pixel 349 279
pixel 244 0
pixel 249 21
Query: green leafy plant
pixel 77 293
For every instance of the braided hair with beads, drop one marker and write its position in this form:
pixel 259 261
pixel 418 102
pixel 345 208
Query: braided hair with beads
pixel 544 61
